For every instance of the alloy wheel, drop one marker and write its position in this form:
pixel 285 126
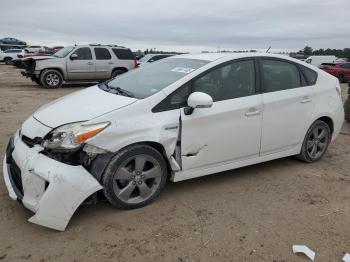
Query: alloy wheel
pixel 317 142
pixel 52 79
pixel 137 179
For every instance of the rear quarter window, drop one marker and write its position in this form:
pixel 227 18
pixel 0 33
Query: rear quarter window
pixel 123 54
pixel 309 75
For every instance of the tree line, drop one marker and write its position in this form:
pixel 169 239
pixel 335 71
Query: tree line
pixel 340 53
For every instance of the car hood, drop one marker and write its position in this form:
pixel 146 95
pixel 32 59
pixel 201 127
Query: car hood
pixel 80 106
pixel 39 57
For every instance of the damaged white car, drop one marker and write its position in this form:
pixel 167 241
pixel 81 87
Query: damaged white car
pixel 182 117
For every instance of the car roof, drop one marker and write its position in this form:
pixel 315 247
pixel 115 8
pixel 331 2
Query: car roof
pixel 216 56
pixel 98 45
pixel 154 54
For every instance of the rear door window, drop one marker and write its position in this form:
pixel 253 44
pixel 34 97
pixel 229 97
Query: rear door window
pixel 123 54
pixel 102 53
pixel 279 75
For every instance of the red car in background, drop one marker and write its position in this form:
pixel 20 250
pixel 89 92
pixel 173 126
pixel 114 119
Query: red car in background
pixel 341 71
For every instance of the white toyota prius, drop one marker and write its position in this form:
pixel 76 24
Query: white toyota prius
pixel 179 118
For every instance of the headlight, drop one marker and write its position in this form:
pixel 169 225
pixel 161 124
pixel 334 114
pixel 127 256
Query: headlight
pixel 72 135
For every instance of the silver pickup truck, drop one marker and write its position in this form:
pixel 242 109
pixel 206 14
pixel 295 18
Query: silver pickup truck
pixel 83 63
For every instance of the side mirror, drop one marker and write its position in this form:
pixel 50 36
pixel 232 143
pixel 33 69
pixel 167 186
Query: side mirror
pixel 198 100
pixel 73 57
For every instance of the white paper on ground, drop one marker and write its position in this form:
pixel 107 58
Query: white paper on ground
pixel 346 258
pixel 305 250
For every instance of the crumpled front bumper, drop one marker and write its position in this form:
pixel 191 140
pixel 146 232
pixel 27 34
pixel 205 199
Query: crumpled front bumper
pixel 30 74
pixel 51 189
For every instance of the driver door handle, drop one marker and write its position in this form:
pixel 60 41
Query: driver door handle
pixel 306 99
pixel 90 63
pixel 252 112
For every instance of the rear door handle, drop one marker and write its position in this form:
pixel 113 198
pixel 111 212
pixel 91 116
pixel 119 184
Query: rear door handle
pixel 90 63
pixel 252 112
pixel 111 63
pixel 306 99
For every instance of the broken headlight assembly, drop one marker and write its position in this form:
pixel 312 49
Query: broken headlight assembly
pixel 72 135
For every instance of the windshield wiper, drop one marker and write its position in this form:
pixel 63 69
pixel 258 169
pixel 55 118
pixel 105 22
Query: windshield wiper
pixel 118 90
pixel 122 91
pixel 103 86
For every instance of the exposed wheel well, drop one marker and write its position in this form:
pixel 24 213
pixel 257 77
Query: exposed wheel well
pixel 101 161
pixel 159 147
pixel 328 121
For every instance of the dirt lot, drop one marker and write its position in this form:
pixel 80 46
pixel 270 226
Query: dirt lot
pixel 250 214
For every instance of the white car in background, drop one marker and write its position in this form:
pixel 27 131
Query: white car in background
pixel 318 60
pixel 10 54
pixel 150 58
pixel 183 117
pixel 35 48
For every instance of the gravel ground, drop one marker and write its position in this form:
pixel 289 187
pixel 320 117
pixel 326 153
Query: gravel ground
pixel 250 214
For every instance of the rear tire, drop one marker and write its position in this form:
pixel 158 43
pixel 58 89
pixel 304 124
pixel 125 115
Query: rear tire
pixel 341 78
pixel 116 73
pixel 8 60
pixel 51 78
pixel 347 109
pixel 134 177
pixel 316 142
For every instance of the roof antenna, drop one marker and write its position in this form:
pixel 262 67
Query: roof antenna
pixel 268 49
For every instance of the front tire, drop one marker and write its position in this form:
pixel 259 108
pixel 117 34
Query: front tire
pixel 316 142
pixel 8 60
pixel 51 78
pixel 134 177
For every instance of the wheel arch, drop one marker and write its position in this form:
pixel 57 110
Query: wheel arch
pixel 100 163
pixel 54 68
pixel 120 68
pixel 329 121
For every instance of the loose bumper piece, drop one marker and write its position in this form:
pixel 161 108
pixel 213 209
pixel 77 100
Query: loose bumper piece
pixel 51 189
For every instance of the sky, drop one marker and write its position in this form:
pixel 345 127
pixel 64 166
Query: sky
pixel 181 25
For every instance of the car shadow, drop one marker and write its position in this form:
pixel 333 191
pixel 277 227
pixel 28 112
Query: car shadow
pixel 173 190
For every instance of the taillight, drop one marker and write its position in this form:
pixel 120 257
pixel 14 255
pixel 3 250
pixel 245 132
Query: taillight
pixel 136 63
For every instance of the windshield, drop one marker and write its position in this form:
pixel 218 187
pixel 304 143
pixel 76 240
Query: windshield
pixel 63 52
pixel 146 81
